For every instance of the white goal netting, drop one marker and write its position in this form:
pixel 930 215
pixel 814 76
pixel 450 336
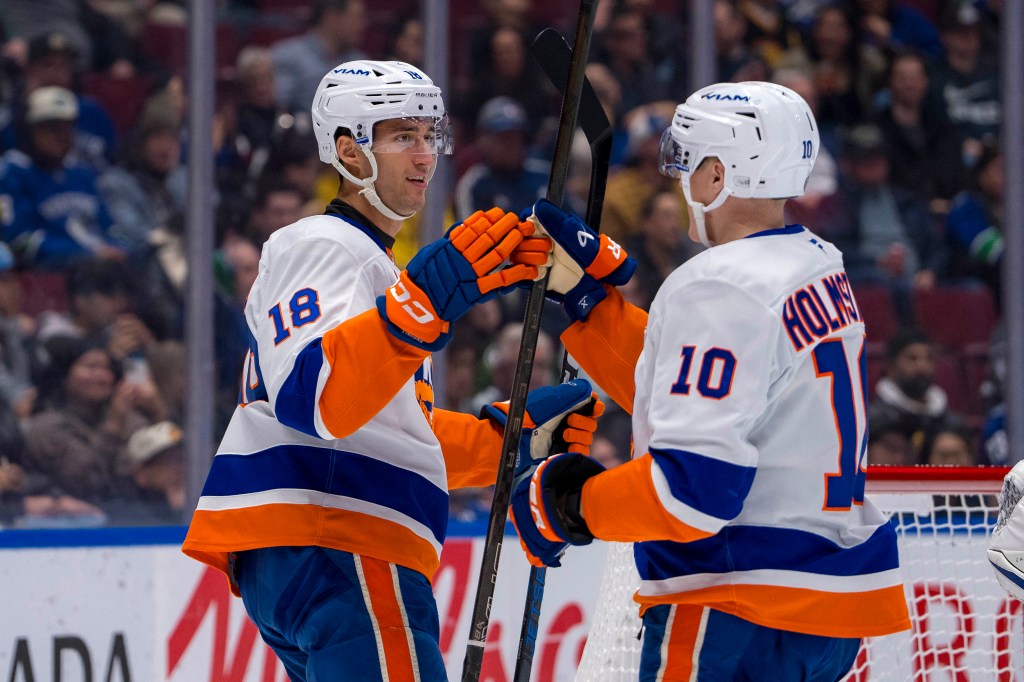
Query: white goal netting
pixel 965 628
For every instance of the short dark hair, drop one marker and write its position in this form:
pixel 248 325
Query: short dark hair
pixel 907 336
pixel 97 275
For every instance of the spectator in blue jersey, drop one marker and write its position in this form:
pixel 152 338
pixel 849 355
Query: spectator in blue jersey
pixel 147 189
pixel 974 226
pixel 885 232
pixel 506 177
pixel 968 80
pixel 52 213
pixel 51 62
pixel 336 29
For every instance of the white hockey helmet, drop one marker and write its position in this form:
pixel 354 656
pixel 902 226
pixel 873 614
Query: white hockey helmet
pixel 763 133
pixel 358 94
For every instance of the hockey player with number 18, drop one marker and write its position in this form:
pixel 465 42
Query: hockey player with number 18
pixel 759 555
pixel 327 502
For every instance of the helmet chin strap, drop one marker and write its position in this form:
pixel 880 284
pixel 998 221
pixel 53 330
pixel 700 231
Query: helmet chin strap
pixel 368 191
pixel 700 209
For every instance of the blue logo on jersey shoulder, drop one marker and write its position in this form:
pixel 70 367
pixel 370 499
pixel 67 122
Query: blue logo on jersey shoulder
pixel 353 72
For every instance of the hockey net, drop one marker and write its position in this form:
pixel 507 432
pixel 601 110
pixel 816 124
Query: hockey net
pixel 964 625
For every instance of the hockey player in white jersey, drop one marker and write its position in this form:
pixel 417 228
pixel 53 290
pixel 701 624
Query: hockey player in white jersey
pixel 1006 548
pixel 327 502
pixel 759 555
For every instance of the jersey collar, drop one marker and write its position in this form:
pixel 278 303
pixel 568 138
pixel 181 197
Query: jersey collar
pixel 344 210
pixel 788 229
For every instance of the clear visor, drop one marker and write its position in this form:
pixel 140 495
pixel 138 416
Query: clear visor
pixel 671 158
pixel 416 135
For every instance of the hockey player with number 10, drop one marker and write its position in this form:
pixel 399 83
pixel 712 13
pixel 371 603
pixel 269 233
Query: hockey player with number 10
pixel 759 555
pixel 327 502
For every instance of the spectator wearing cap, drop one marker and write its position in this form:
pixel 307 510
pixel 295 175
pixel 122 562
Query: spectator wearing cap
pixel 505 177
pixel 885 232
pixel 336 29
pixel 51 63
pixel 156 461
pixel 52 212
pixel 968 79
pixel 974 226
pixel 147 190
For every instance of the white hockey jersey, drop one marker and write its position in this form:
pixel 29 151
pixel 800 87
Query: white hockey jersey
pixel 335 441
pixel 746 492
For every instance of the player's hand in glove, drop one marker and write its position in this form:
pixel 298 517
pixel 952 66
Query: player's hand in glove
pixel 449 276
pixel 582 261
pixel 559 418
pixel 546 507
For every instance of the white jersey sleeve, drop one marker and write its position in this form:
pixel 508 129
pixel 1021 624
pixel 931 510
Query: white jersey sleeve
pixel 311 280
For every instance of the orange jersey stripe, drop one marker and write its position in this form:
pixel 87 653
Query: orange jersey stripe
pixel 384 601
pixel 608 344
pixel 471 448
pixel 621 505
pixel 214 534
pixel 684 636
pixel 828 614
pixel 368 367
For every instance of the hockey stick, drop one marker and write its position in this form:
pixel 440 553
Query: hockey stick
pixel 554 55
pixel 473 662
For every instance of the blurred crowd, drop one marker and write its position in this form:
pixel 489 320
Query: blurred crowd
pixel 93 132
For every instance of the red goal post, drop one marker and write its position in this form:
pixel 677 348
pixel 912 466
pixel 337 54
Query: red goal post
pixel 965 627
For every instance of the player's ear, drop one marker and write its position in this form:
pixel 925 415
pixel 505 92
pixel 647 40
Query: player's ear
pixel 717 174
pixel 348 150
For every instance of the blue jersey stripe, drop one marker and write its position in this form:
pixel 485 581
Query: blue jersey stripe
pixel 688 473
pixel 752 548
pixel 334 472
pixel 296 401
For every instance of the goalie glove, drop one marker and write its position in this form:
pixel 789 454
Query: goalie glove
pixel 545 508
pixel 581 261
pixel 1006 549
pixel 449 276
pixel 560 418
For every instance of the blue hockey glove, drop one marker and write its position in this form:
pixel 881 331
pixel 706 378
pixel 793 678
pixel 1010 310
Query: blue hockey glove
pixel 559 418
pixel 545 508
pixel 449 276
pixel 581 260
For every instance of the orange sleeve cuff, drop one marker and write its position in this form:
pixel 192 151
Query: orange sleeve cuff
pixel 621 505
pixel 608 344
pixel 471 448
pixel 368 367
